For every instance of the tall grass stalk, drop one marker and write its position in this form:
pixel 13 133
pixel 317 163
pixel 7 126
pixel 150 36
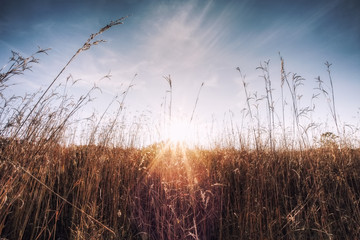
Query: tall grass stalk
pixel 86 46
pixel 170 91
pixel 248 98
pixel 293 85
pixel 330 97
pixel 120 109
pixel 283 103
pixel 269 100
pixel 196 102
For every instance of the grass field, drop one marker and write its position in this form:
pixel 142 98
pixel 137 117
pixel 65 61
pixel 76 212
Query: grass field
pixel 272 182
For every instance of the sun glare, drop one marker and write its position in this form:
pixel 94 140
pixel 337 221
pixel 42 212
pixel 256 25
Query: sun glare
pixel 180 132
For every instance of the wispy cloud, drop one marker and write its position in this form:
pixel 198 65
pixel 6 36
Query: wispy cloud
pixel 178 38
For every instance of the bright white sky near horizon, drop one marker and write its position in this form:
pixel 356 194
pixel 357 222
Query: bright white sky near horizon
pixel 194 42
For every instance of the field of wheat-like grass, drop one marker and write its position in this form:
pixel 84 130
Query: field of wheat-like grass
pixel 264 182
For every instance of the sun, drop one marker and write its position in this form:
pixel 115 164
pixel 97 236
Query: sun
pixel 180 132
pixel 185 133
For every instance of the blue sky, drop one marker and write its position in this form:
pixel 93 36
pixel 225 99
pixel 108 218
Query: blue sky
pixel 194 42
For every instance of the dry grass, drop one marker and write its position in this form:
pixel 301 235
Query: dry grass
pixel 157 193
pixel 273 185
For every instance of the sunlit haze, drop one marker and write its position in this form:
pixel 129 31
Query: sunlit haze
pixel 193 42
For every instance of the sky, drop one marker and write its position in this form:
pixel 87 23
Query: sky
pixel 193 42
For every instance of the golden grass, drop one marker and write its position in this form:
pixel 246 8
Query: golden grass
pixel 204 194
